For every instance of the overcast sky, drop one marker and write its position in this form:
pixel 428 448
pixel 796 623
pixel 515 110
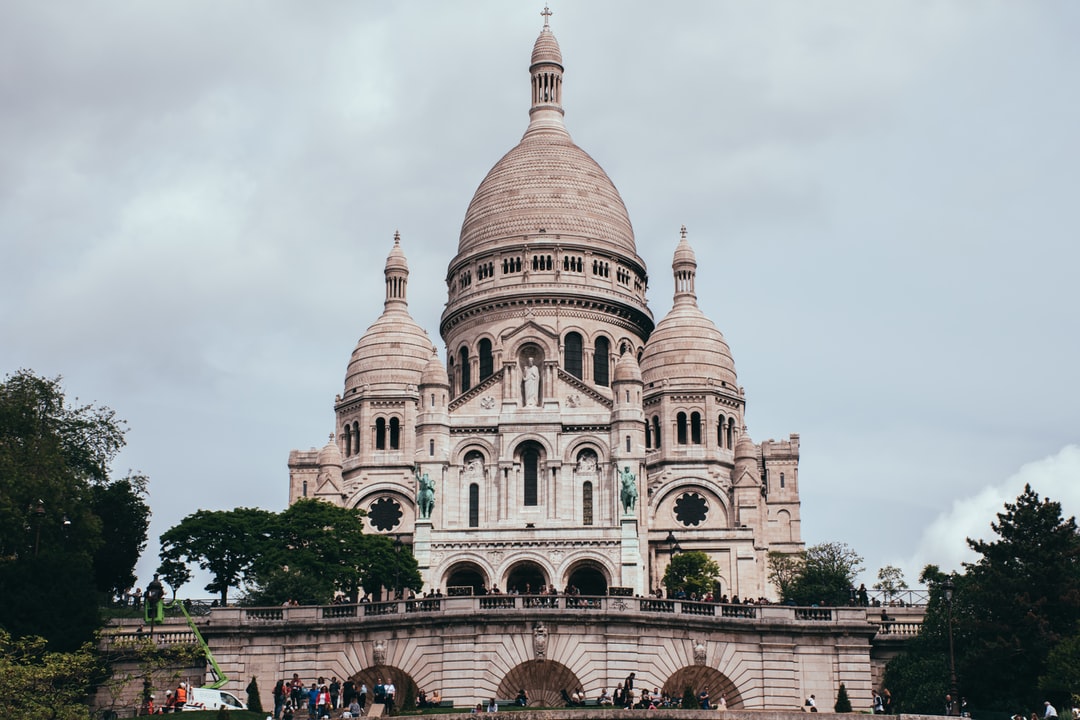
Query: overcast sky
pixel 197 198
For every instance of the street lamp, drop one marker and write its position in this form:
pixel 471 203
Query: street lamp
pixel 948 588
pixel 673 543
pixel 39 516
pixel 397 566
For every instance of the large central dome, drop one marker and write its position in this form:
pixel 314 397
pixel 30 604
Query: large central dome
pixel 547 183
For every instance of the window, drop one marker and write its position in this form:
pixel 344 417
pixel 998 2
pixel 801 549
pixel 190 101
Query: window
pixel 474 505
pixel 572 361
pixel 346 438
pixel 648 435
pixel 486 361
pixel 656 431
pixel 695 428
pixel 586 503
pixel 781 479
pixel 431 448
pixel 356 437
pixel 380 434
pixel 305 488
pixel 395 434
pixel 463 361
pixel 627 443
pixel 680 428
pixel 720 433
pixel 531 461
pixel 601 361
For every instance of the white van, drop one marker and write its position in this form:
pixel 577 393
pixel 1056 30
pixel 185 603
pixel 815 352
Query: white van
pixel 208 699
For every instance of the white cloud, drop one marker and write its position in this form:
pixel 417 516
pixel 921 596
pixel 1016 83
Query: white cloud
pixel 943 543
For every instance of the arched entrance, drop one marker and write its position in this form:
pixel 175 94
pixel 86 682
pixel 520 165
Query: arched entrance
pixel 467 574
pixel 589 578
pixel 405 686
pixel 701 677
pixel 543 680
pixel 526 577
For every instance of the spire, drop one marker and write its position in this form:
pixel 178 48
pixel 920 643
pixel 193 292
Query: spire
pixel 546 70
pixel 397 275
pixel 684 266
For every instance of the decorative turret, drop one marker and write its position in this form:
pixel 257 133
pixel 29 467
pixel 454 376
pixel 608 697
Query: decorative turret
pixel 546 70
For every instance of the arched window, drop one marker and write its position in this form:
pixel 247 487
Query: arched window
pixel 627 443
pixel 395 434
pixel 431 448
pixel 601 361
pixel 380 434
pixel 656 431
pixel 680 428
pixel 474 505
pixel 648 435
pixel 487 363
pixel 695 428
pixel 346 439
pixel 720 432
pixel 463 361
pixel 781 479
pixel 572 361
pixel 356 438
pixel 586 503
pixel 530 460
pixel 305 488
pixel 730 433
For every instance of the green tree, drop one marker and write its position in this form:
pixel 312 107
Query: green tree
pixel 1011 610
pixel 1062 675
pixel 692 572
pixel 59 543
pixel 254 701
pixel 42 684
pixel 317 549
pixel 822 576
pixel 890 582
pixel 226 543
pixel 843 702
pixel 125 521
pixel 785 569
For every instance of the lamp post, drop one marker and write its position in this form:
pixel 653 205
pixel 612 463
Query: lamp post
pixel 948 588
pixel 397 566
pixel 39 516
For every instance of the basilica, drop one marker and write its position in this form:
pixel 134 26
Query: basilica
pixel 568 440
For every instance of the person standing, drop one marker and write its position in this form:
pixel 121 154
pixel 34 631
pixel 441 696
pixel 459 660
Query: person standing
pixel 361 695
pixel 628 690
pixel 335 692
pixel 391 696
pixel 1050 711
pixel 279 698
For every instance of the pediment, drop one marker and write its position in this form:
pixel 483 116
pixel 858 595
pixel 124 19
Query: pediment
pixel 530 327
pixel 746 479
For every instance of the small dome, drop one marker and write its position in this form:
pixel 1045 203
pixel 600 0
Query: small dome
pixel 684 254
pixel 687 349
pixel 627 369
pixel 546 49
pixel 435 373
pixel 330 455
pixel 396 259
pixel 745 448
pixel 392 353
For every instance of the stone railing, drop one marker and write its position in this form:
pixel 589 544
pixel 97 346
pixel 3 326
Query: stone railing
pixel 644 607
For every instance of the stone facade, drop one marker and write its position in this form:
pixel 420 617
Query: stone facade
pixel 568 440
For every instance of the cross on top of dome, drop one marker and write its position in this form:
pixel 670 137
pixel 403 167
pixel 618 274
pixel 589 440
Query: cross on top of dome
pixel 547 15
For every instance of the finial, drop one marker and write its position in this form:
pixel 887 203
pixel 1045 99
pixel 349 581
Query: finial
pixel 331 437
pixel 547 15
pixel 682 232
pixel 397 237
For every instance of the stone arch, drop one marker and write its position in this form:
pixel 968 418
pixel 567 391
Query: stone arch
pixel 467 573
pixel 484 447
pixel 570 456
pixel 404 684
pixel 698 677
pixel 589 576
pixel 526 576
pixel 543 680
pixel 662 504
pixel 783 525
